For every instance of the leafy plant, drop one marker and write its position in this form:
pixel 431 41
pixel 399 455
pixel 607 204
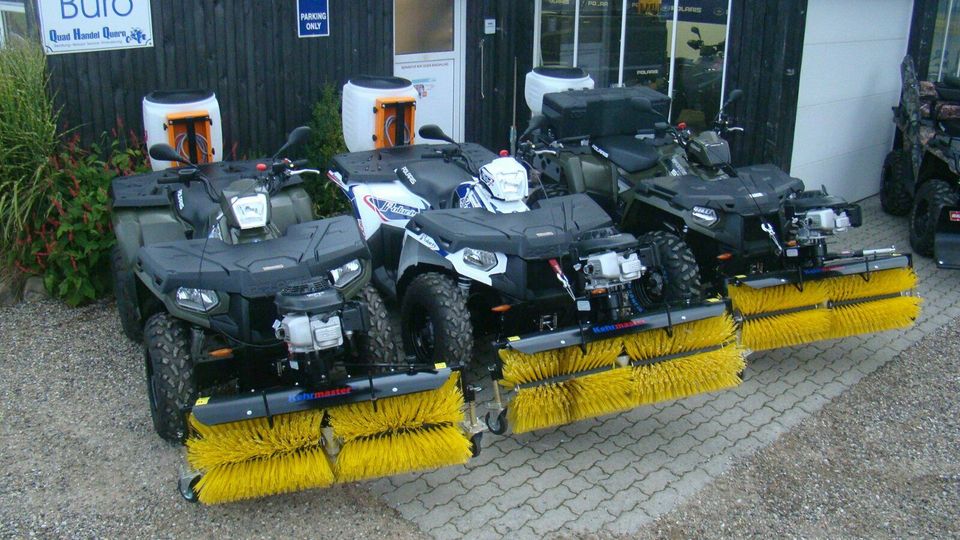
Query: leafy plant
pixel 326 142
pixel 28 137
pixel 71 245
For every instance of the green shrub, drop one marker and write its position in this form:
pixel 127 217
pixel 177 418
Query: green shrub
pixel 326 142
pixel 70 246
pixel 28 138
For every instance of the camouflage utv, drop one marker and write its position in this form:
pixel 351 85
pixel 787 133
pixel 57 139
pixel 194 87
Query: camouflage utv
pixel 921 176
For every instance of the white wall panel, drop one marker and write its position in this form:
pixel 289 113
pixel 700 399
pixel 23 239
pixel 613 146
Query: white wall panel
pixel 849 80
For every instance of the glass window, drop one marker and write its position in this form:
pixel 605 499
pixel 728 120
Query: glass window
pixel 698 69
pixel 588 34
pixel 13 21
pixel 945 53
pixel 419 34
pixel 557 19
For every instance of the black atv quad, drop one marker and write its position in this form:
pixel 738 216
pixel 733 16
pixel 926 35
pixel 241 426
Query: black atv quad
pixel 753 230
pixel 253 311
pixel 921 176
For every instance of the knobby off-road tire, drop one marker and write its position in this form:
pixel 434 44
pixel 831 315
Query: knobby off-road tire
pixel 125 292
pixel 678 267
pixel 171 383
pixel 895 195
pixel 931 197
pixel 379 344
pixel 436 321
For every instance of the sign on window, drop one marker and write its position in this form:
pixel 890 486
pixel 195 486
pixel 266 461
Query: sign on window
pixel 71 26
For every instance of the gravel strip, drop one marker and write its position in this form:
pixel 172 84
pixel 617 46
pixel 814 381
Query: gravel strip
pixel 880 461
pixel 79 457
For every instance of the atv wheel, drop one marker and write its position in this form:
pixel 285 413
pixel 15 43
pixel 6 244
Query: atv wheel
pixel 170 379
pixel 125 291
pixel 378 345
pixel 436 322
pixel 932 196
pixel 894 190
pixel 677 277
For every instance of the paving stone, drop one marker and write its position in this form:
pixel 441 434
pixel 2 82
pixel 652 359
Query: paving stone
pixel 447 530
pixel 629 522
pixel 475 521
pixel 584 459
pixel 479 495
pixel 405 493
pixel 514 497
pixel 655 481
pixel 587 499
pixel 550 478
pixel 552 520
pixel 514 477
pixel 442 515
pixel 551 498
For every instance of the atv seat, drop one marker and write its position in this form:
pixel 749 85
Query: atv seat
pixel 627 152
pixel 546 232
pixel 433 180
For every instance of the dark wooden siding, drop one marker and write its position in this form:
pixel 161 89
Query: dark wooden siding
pixel 489 114
pixel 764 58
pixel 247 51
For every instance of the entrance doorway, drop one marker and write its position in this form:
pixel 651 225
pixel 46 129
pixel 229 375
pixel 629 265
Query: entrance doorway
pixel 429 45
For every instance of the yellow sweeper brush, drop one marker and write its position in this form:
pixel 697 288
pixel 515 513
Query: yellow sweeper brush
pixel 840 300
pixel 299 450
pixel 655 360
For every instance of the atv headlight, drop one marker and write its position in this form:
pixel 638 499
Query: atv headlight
pixel 250 211
pixel 201 300
pixel 477 258
pixel 705 216
pixel 344 275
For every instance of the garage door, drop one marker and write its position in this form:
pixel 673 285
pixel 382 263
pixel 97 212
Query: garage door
pixel 849 80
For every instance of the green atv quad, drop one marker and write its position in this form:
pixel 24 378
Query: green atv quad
pixel 921 176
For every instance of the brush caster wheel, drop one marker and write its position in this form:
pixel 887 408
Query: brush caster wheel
pixel 475 444
pixel 895 196
pixel 677 277
pixel 499 425
pixel 435 321
pixel 170 379
pixel 187 486
pixel 125 292
pixel 931 197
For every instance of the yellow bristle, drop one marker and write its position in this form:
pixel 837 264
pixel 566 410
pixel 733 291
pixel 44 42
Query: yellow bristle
pixel 306 468
pixel 874 316
pixel 402 413
pixel 401 434
pixel 685 337
pixel 750 301
pixel 785 330
pixel 250 458
pixel 428 447
pixel 689 375
pixel 880 283
pixel 559 403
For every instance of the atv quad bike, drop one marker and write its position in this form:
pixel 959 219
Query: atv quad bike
pixel 756 235
pixel 266 350
pixel 580 319
pixel 921 176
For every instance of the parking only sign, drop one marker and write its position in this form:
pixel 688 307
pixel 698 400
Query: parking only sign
pixel 313 18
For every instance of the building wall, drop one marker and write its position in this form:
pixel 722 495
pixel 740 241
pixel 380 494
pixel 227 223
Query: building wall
pixel 247 51
pixel 849 80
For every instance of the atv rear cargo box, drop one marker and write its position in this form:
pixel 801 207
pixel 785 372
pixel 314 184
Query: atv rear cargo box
pixel 603 111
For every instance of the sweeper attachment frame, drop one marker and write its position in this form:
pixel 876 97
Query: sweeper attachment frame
pixel 577 373
pixel 292 439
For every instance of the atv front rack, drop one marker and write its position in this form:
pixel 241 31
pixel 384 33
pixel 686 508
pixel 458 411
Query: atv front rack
pixel 843 267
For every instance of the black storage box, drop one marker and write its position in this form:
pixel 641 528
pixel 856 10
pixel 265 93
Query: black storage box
pixel 603 111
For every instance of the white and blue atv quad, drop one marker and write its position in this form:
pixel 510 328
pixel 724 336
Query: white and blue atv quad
pixel 559 287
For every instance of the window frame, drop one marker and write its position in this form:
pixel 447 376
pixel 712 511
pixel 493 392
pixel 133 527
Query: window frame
pixel 537 49
pixel 12 7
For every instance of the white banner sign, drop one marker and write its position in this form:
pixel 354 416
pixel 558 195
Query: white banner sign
pixel 70 26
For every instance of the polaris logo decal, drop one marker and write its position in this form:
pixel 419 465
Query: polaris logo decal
pixel 180 199
pixel 408 175
pixel 310 396
pixel 607 328
pixel 389 210
pixel 600 151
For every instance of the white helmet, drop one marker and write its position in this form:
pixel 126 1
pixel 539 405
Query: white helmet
pixel 506 179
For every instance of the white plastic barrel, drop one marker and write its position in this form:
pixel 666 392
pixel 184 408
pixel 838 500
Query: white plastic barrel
pixel 544 80
pixel 157 106
pixel 360 96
